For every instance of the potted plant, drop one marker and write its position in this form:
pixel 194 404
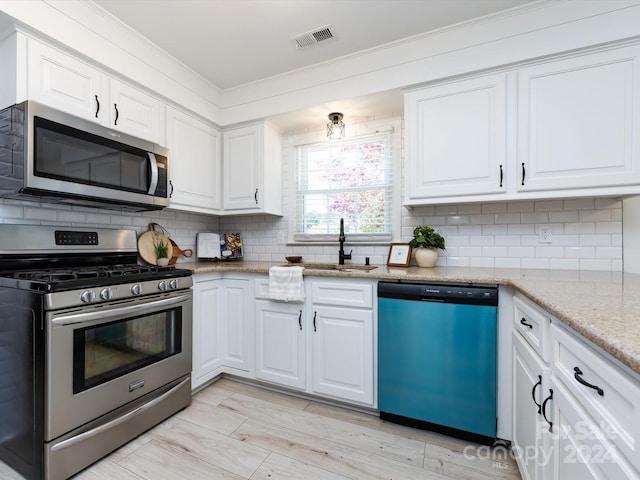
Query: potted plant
pixel 161 249
pixel 425 244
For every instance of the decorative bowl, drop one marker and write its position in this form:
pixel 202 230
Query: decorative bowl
pixel 294 259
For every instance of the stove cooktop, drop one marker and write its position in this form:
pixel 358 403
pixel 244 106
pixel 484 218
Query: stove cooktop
pixel 70 278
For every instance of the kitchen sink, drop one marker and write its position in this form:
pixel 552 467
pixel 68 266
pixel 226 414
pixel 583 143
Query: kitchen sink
pixel 330 266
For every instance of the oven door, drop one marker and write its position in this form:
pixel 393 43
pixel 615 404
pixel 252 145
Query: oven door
pixel 102 357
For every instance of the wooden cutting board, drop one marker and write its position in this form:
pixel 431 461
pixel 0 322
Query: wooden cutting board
pixel 145 246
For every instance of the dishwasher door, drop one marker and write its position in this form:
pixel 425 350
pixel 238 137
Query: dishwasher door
pixel 437 358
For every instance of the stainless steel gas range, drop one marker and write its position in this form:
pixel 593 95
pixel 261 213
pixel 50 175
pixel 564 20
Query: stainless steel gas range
pixel 94 349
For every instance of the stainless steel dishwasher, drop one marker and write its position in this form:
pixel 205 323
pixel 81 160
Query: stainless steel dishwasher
pixel 437 357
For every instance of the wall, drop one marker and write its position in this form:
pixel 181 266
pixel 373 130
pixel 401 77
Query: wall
pixel 182 226
pixel 631 234
pixel 586 235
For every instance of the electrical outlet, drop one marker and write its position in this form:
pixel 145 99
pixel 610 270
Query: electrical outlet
pixel 544 234
pixel 281 239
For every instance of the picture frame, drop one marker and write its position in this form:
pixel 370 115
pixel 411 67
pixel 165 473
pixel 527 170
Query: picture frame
pixel 399 255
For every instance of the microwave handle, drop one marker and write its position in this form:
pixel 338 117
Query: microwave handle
pixel 153 184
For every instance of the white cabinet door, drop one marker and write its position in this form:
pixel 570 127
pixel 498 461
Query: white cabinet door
pixel 578 122
pixel 134 112
pixel 455 139
pixel 280 345
pixel 343 353
pixel 530 441
pixel 63 82
pixel 243 168
pixel 73 86
pixel 207 329
pixel 238 325
pixel 581 446
pixel 195 150
pixel 252 170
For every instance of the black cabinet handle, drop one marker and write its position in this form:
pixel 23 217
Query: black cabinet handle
pixel 524 172
pixel 171 185
pixel 544 410
pixel 97 105
pixel 300 320
pixel 523 321
pixel 577 375
pixel 533 394
pixel 501 175
pixel 314 321
pixel 255 195
pixel 115 105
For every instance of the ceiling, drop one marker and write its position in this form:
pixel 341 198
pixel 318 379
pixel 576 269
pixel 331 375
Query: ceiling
pixel 237 42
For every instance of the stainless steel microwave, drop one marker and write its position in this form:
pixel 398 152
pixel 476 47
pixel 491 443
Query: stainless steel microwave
pixel 51 156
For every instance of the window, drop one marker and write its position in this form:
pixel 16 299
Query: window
pixel 350 179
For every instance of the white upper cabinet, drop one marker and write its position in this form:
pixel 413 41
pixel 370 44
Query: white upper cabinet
pixel 252 170
pixel 578 122
pixel 62 81
pixel 455 138
pixel 134 112
pixel 56 79
pixel 562 128
pixel 195 162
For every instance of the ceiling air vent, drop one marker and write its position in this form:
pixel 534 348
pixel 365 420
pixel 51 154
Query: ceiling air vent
pixel 317 35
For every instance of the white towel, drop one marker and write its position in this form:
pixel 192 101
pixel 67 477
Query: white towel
pixel 286 284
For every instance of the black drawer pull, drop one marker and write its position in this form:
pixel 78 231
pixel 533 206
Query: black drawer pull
pixel 523 321
pixel 300 320
pixel 544 410
pixel 533 394
pixel 314 321
pixel 576 375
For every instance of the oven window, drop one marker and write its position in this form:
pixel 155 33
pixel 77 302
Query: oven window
pixel 107 351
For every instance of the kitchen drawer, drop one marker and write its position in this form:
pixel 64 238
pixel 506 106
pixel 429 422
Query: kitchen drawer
pixel 533 324
pixel 342 293
pixel 617 410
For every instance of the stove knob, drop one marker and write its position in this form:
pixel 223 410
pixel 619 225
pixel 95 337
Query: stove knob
pixel 88 296
pixel 136 289
pixel 162 285
pixel 173 283
pixel 106 294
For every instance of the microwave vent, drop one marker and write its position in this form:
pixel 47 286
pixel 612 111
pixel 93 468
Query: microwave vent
pixel 313 37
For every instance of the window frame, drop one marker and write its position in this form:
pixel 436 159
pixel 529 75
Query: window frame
pixel 392 126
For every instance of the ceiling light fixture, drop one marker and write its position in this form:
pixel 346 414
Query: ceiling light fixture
pixel 335 127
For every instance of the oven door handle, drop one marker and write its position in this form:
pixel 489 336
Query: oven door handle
pixel 114 423
pixel 117 312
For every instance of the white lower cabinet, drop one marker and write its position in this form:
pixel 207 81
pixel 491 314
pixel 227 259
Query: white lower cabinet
pixel 324 346
pixel 531 443
pixel 588 425
pixel 342 339
pixel 207 328
pixel 238 325
pixel 280 343
pixel 223 327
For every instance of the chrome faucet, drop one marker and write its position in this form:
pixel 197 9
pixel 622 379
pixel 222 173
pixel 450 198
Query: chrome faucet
pixel 341 255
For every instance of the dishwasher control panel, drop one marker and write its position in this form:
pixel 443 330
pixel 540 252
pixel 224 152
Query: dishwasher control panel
pixel 445 293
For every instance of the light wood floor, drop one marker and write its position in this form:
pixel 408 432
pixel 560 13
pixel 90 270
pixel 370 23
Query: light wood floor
pixel 236 431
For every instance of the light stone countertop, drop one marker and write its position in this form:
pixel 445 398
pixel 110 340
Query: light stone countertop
pixel 604 307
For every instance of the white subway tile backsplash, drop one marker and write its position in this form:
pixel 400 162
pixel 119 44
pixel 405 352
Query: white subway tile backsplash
pixel 564 263
pixel 535 263
pixel 570 216
pixel 549 205
pixel 579 204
